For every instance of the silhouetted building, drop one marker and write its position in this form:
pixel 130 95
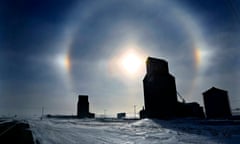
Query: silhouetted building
pixel 83 107
pixel 160 94
pixel 159 90
pixel 121 115
pixel 216 103
pixel 142 113
pixel 189 110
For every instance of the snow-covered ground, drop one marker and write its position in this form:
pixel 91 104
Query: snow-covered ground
pixel 146 131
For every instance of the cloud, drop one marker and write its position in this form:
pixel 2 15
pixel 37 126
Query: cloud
pixel 119 22
pixel 37 33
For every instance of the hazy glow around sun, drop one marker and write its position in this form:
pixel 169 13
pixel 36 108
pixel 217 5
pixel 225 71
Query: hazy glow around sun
pixel 127 66
pixel 131 62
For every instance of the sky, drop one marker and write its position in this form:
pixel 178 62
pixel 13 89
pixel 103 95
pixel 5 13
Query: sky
pixel 51 51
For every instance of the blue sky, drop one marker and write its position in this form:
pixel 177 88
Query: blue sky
pixel 200 40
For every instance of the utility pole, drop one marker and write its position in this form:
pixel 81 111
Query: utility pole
pixel 74 106
pixel 134 106
pixel 42 113
pixel 104 114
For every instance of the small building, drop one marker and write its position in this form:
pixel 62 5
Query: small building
pixel 216 103
pixel 142 113
pixel 83 107
pixel 121 115
pixel 192 109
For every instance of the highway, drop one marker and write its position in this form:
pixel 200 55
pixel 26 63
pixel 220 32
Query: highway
pixel 15 132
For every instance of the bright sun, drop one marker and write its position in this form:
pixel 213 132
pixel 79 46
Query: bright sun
pixel 131 62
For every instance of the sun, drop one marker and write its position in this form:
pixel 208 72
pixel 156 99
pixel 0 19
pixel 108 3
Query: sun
pixel 131 62
pixel 128 63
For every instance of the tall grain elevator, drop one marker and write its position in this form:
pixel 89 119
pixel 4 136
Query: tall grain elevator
pixel 83 107
pixel 160 95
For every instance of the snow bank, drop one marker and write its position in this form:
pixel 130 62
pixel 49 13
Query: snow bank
pixel 146 131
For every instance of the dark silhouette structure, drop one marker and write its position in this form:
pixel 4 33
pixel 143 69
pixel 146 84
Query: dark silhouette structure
pixel 160 94
pixel 216 103
pixel 192 109
pixel 83 107
pixel 142 113
pixel 121 115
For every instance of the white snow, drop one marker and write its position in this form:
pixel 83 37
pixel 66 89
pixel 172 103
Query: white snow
pixel 146 131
